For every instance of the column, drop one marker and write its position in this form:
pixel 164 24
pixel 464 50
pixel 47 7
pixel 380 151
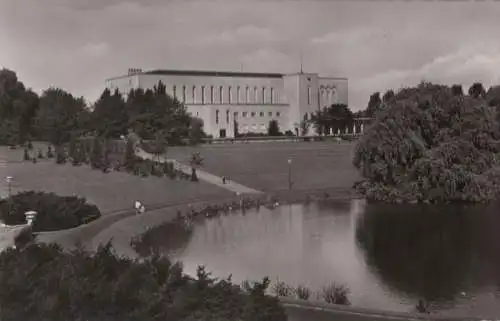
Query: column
pixel 361 129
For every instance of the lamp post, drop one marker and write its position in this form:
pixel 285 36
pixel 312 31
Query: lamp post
pixel 289 175
pixel 8 179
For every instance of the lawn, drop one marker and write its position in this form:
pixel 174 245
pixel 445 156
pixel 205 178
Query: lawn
pixel 110 192
pixel 264 166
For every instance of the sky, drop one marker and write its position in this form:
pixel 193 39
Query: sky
pixel 77 44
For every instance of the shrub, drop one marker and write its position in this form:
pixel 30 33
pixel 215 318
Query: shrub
pixel 335 294
pixel 282 289
pixel 60 155
pixel 194 177
pixel 303 292
pixel 54 212
pixel 96 156
pixel 26 155
pixel 78 285
pixel 50 154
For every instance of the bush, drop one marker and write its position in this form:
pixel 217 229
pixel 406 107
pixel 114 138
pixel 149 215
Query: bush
pixel 60 155
pixel 50 154
pixel 335 294
pixel 54 212
pixel 26 155
pixel 194 177
pixel 103 286
pixel 303 293
pixel 282 289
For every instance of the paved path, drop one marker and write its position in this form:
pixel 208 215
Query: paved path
pixel 202 175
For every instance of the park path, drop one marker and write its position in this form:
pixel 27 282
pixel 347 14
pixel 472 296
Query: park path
pixel 202 175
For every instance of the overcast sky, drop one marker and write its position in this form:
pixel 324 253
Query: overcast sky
pixel 77 44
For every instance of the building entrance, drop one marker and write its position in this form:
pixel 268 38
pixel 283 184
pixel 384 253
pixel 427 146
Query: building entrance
pixel 222 133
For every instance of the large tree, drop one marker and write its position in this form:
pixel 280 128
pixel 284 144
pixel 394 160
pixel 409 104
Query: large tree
pixel 109 118
pixel 431 145
pixel 336 117
pixel 18 106
pixel 374 105
pixel 60 115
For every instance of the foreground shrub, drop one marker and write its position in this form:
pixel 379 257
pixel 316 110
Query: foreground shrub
pixel 54 212
pixel 42 282
pixel 335 294
pixel 429 145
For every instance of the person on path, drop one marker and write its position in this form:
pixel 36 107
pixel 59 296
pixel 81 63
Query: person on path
pixel 223 179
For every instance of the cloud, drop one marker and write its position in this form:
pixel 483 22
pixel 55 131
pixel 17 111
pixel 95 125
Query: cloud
pixel 376 45
pixel 95 49
pixel 248 34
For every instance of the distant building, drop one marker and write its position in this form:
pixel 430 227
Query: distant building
pixel 250 100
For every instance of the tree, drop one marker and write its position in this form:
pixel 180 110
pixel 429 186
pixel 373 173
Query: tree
pixel 130 158
pixel 388 96
pixel 431 146
pixel 159 145
pixel 196 133
pixel 273 128
pixel 477 90
pixel 374 105
pixel 457 90
pixel 336 117
pixel 18 106
pixel 304 127
pixel 109 118
pixel 59 116
pixel 96 155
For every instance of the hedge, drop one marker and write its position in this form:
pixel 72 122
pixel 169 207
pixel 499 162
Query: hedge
pixel 54 212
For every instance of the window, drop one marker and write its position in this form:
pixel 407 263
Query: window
pixel 227 116
pixel 238 94
pixel 247 95
pixel 255 95
pixel 261 114
pixel 174 89
pixel 252 114
pixel 270 114
pixel 194 94
pixel 184 93
pixel 245 114
pixel 217 117
pixel 309 91
pixel 262 127
pixel 229 95
pixel 197 114
pixel 203 95
pixel 272 95
pixel 263 95
pixel 254 126
pixel 211 94
pixel 221 94
pixel 235 114
pixel 278 114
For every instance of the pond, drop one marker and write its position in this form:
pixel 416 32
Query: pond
pixel 389 256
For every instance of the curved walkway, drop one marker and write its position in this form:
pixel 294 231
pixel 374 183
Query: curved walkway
pixel 202 175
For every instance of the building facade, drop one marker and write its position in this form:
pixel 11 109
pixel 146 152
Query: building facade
pixel 241 101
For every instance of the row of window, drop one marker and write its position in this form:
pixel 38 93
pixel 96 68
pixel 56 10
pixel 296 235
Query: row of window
pixel 254 95
pixel 326 95
pixel 243 114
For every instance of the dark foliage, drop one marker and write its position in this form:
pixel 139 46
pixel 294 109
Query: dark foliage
pixel 429 145
pixel 103 286
pixel 54 212
pixel 273 128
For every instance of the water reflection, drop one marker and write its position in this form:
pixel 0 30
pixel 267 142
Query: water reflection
pixel 388 256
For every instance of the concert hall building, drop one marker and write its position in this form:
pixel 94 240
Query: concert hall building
pixel 249 100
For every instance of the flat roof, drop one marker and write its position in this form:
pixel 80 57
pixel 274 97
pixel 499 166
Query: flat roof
pixel 212 73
